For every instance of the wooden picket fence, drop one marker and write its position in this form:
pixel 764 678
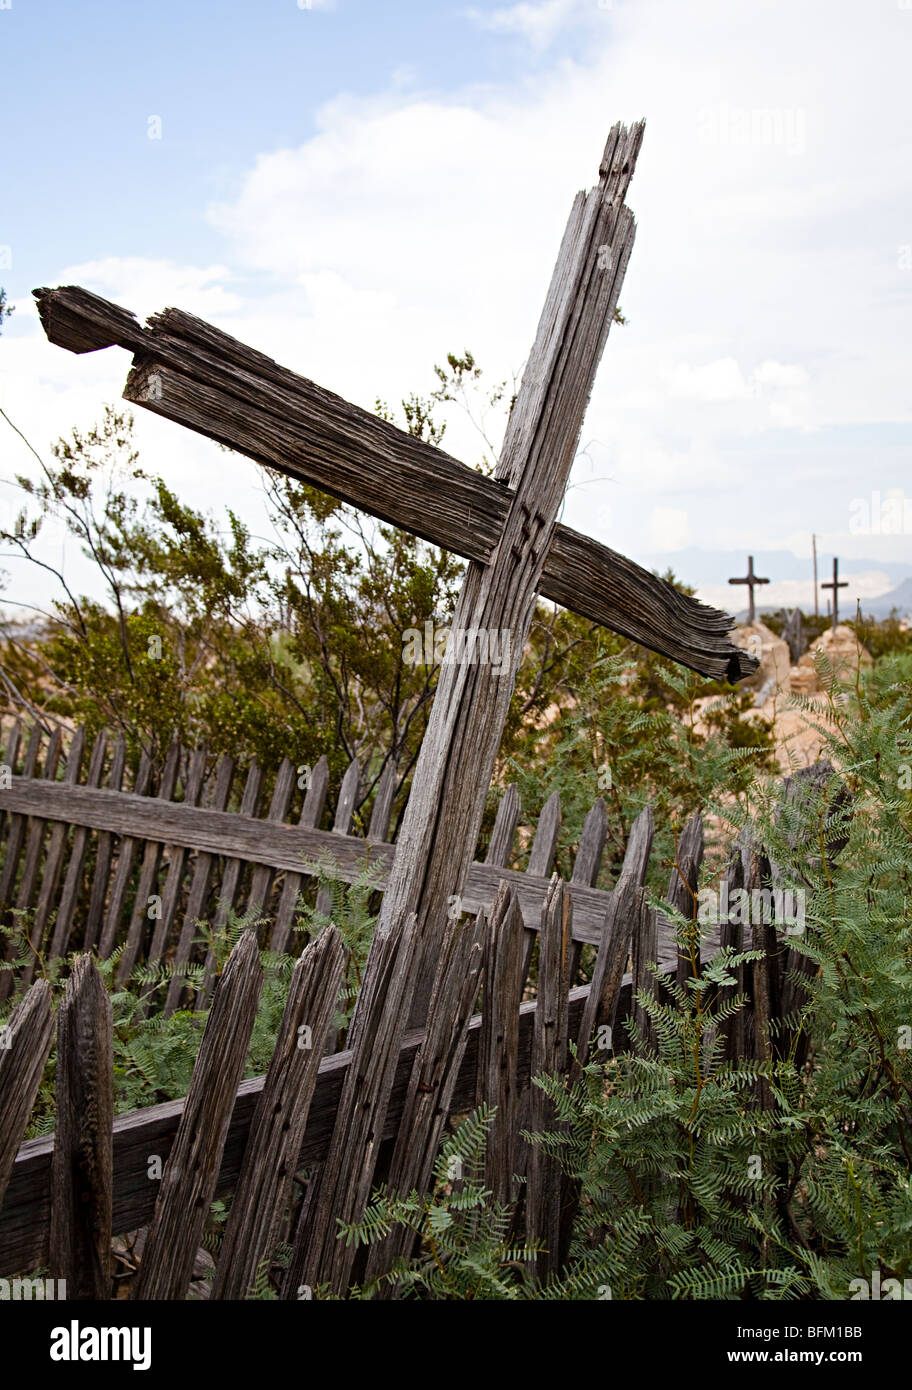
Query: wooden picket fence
pixel 64 1196
pixel 93 866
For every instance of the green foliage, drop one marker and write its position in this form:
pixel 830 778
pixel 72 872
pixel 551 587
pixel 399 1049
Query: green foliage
pixel 702 1177
pixel 462 1236
pixel 889 637
pixel 662 1140
pixel 154 1054
pixel 350 913
pixel 629 733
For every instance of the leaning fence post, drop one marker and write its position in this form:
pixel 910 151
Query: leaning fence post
pixel 191 1172
pixel 24 1046
pixel 277 1129
pixel 82 1172
pixel 544 1182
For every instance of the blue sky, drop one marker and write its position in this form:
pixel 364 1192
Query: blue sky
pixel 358 188
pixel 228 80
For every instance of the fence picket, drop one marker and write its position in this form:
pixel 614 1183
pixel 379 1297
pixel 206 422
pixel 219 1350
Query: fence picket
pixel 262 875
pixel 148 874
pixel 311 815
pixel 72 883
pixel 191 1172
pixel 59 831
pixel 345 812
pixel 280 1119
pixel 126 858
pixel 26 1042
pixel 82 1174
pixel 199 889
pixel 104 854
pixel 498 1049
pixel 178 861
pixel 434 1075
pixel 544 1185
pixel 587 863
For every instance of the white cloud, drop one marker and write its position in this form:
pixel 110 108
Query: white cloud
pixel 668 529
pixel 779 375
pixel 721 380
pixel 538 22
pixel 145 285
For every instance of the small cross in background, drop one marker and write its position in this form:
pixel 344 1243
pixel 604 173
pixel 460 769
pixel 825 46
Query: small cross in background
pixel 750 579
pixel 836 584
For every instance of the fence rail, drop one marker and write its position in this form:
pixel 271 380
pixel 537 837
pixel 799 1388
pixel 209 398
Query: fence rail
pixel 94 866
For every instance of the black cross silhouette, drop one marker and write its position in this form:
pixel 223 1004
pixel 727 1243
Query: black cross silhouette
pixel 750 579
pixel 836 584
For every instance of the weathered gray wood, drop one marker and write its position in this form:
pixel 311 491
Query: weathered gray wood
pixel 53 864
pixel 148 875
pixel 177 861
pixel 205 380
pixel 311 814
pixel 498 1062
pixel 25 1214
pixel 191 1173
pixel 261 877
pixel 587 863
pixel 763 993
pixel 544 846
pixel 383 804
pixel 199 889
pixel 645 955
pixel 18 823
pixel 500 844
pixel 343 1185
pixel 25 1042
pixel 14 843
pixel 10 759
pixel 544 1183
pixel 541 859
pixel 82 1175
pixel 103 853
pixel 459 748
pixel 734 1028
pixel 345 814
pixel 682 889
pixel 231 876
pixel 57 843
pixel 234 866
pixel 280 1119
pixel 37 830
pixel 126 859
pixel 434 1076
pixel 287 847
pixel 72 882
pixel 614 946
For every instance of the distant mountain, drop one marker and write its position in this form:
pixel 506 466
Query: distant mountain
pixel 899 598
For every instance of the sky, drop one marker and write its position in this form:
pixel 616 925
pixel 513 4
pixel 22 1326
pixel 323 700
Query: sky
pixel 358 188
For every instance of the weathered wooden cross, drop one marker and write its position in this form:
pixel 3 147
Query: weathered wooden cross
pixel 750 579
pixel 835 584
pixel 506 527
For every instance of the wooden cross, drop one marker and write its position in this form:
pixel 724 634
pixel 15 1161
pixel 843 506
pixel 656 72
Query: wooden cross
pixel 191 373
pixel 750 579
pixel 836 584
pixel 506 527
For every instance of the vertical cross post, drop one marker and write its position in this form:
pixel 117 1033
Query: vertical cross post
pixel 750 579
pixel 449 789
pixel 836 584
